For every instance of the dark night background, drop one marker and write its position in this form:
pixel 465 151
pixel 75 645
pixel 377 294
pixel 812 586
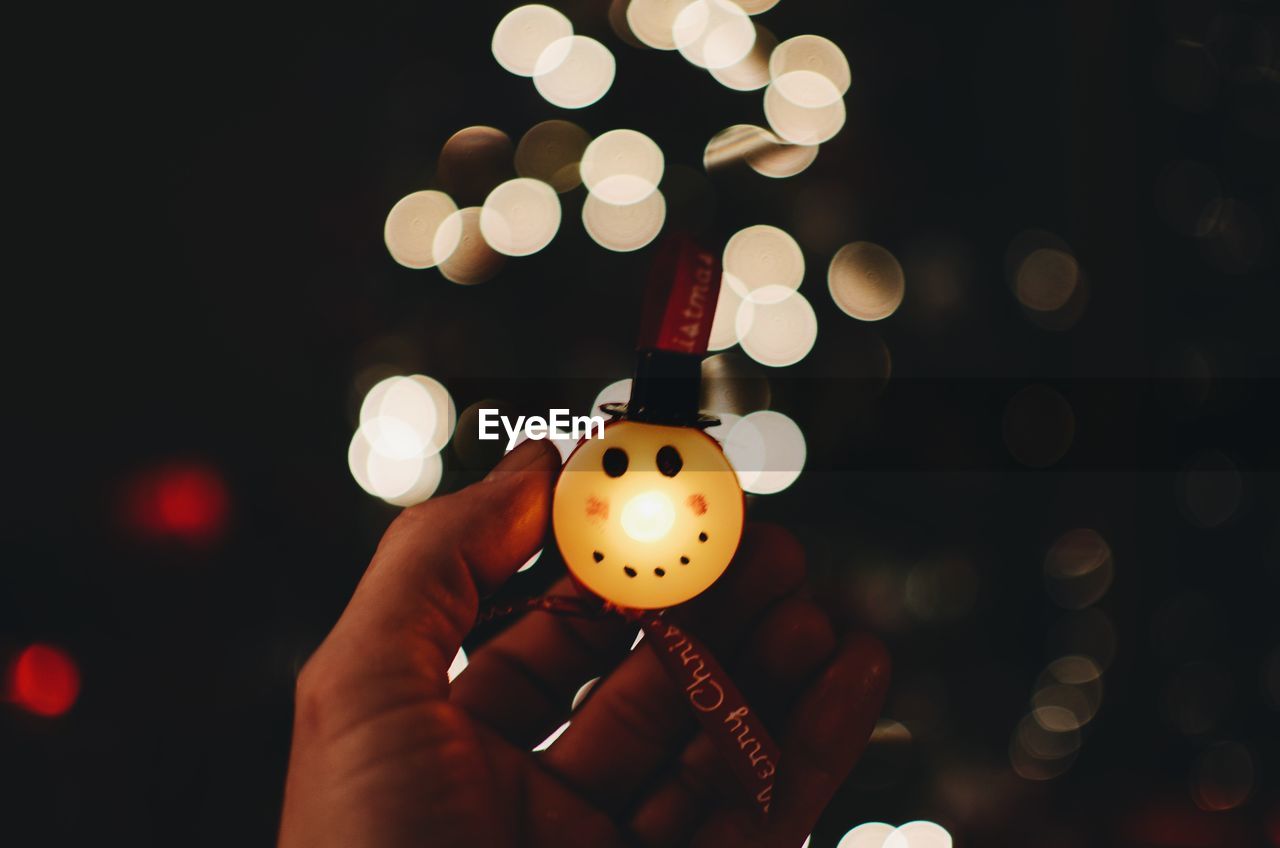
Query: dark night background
pixel 200 279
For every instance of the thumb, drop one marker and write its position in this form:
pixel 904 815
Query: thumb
pixel 422 589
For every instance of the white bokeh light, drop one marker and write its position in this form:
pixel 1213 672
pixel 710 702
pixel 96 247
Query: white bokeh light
pixel 760 257
pixel 458 665
pixel 411 227
pixel 622 167
pixel 866 281
pixel 574 72
pixel 520 217
pixel 653 21
pixel 768 451
pixel 550 740
pixel 617 392
pixel 869 835
pixel 751 72
pixel 713 33
pixel 776 326
pixel 816 54
pixel 524 33
pixel 919 834
pixel 804 107
pixel 624 228
pixel 724 326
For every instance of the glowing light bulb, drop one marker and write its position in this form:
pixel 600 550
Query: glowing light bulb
pixel 648 517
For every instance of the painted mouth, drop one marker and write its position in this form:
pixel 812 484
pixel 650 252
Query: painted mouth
pixel 659 571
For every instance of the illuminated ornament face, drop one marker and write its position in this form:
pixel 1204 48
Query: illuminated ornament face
pixel 648 516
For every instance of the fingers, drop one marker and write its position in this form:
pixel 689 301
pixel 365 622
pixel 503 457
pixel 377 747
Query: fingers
pixel 826 734
pixel 521 683
pixel 638 710
pixel 420 594
pixel 791 645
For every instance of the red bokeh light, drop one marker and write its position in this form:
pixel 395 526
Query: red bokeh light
pixel 188 502
pixel 44 680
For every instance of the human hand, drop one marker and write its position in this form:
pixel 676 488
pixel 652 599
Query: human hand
pixel 387 753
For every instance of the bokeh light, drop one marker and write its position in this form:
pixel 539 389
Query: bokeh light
pixel 804 107
pixel 550 740
pixel 866 281
pixel 724 326
pixel 622 167
pixel 762 257
pixel 1078 569
pixel 751 72
pixel 815 54
pixel 767 450
pixel 182 501
pixel 524 33
pixel 520 217
pixel 653 21
pixel 760 149
pixel 574 72
pixel 411 227
pixel 713 33
pixel 551 151
pixel 755 7
pixel 1223 777
pixel 919 834
pixel 1047 279
pixel 580 697
pixel 458 665
pixel 624 228
pixel 733 383
pixel 472 162
pixel 776 326
pixel 616 392
pixel 404 424
pixel 868 835
pixel 43 679
pixel 471 260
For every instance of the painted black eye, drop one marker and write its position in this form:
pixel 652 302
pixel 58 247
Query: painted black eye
pixel 669 461
pixel 615 462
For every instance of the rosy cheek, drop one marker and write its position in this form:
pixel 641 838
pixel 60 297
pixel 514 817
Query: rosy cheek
pixel 597 510
pixel 698 504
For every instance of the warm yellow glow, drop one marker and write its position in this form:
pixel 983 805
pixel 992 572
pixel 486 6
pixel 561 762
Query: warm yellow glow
pixel 776 326
pixel 866 281
pixel 643 539
pixel 653 21
pixel 550 151
pixel 648 517
pixel 411 227
pixel 818 55
pixel 520 217
pixel 522 36
pixel 624 228
pixel 622 167
pixel 713 33
pixel 470 258
pixel 804 107
pixel 751 72
pixel 762 256
pixel 574 72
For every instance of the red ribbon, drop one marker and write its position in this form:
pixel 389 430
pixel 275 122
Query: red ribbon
pixel 737 731
pixel 680 300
